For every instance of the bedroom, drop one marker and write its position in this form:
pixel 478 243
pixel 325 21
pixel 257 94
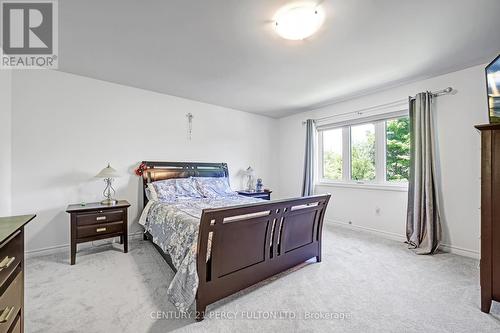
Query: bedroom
pixel 222 83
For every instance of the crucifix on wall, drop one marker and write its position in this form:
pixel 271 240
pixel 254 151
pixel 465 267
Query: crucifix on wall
pixel 190 125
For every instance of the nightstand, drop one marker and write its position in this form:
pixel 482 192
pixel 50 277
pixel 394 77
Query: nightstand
pixel 95 221
pixel 266 194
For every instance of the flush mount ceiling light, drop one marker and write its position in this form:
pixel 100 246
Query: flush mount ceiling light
pixel 298 21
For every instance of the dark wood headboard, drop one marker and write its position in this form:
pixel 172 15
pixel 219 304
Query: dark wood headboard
pixel 166 170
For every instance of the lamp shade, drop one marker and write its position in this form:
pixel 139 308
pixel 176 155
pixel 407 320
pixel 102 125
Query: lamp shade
pixel 108 172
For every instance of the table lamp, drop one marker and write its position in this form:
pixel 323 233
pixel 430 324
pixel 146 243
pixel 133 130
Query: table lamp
pixel 108 174
pixel 250 174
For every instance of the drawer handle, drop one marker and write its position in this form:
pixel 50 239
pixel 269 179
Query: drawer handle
pixel 4 317
pixel 100 218
pixel 100 229
pixel 6 262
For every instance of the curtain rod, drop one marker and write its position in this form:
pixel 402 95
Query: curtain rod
pixel 437 93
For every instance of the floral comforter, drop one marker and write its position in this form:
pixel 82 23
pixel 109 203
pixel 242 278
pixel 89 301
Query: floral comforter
pixel 174 227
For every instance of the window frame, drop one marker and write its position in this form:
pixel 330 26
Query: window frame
pixel 380 182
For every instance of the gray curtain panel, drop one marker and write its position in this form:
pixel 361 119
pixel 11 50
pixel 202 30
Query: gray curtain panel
pixel 423 225
pixel 308 182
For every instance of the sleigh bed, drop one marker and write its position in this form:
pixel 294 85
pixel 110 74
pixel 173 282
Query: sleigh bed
pixel 239 245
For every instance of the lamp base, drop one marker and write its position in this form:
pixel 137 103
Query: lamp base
pixel 109 202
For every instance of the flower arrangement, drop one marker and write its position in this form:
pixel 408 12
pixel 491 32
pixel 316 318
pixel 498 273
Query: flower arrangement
pixel 140 169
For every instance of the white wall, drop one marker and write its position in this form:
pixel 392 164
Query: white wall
pixel 459 157
pixel 5 142
pixel 66 128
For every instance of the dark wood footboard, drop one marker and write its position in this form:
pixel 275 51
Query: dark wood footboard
pixel 250 243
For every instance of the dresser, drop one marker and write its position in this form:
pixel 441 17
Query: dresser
pixel 12 272
pixel 490 215
pixel 94 221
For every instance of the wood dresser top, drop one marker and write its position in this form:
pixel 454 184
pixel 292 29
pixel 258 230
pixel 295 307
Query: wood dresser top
pixel 9 224
pixel 488 127
pixel 95 206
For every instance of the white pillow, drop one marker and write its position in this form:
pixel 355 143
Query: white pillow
pixel 151 193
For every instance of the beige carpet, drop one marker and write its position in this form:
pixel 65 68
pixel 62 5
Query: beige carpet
pixel 364 284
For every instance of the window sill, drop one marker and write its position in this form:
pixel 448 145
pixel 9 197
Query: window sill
pixel 367 186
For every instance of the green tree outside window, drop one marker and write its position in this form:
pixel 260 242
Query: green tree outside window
pixel 363 152
pixel 398 149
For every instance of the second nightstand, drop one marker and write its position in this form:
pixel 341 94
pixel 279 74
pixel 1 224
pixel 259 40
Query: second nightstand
pixel 266 194
pixel 95 221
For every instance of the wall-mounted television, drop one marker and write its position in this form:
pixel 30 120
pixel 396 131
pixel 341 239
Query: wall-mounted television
pixel 493 89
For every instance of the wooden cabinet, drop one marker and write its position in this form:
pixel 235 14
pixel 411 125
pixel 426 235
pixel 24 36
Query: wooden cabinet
pixel 95 221
pixel 12 272
pixel 490 215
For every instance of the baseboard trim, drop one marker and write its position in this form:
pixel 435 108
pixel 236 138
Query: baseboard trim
pixel 65 247
pixel 46 251
pixel 385 234
pixel 460 251
pixel 401 238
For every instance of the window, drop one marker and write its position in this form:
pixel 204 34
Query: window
pixel 332 154
pixel 376 152
pixel 363 152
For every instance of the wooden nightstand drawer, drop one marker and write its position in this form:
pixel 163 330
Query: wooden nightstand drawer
pixel 264 196
pixel 99 229
pixel 11 253
pixel 103 216
pixel 11 302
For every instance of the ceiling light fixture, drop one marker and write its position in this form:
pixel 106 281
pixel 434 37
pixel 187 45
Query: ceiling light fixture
pixel 298 21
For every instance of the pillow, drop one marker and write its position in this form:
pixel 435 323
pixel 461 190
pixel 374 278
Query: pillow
pixel 172 189
pixel 151 193
pixel 213 187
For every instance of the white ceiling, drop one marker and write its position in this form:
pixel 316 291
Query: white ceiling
pixel 226 52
